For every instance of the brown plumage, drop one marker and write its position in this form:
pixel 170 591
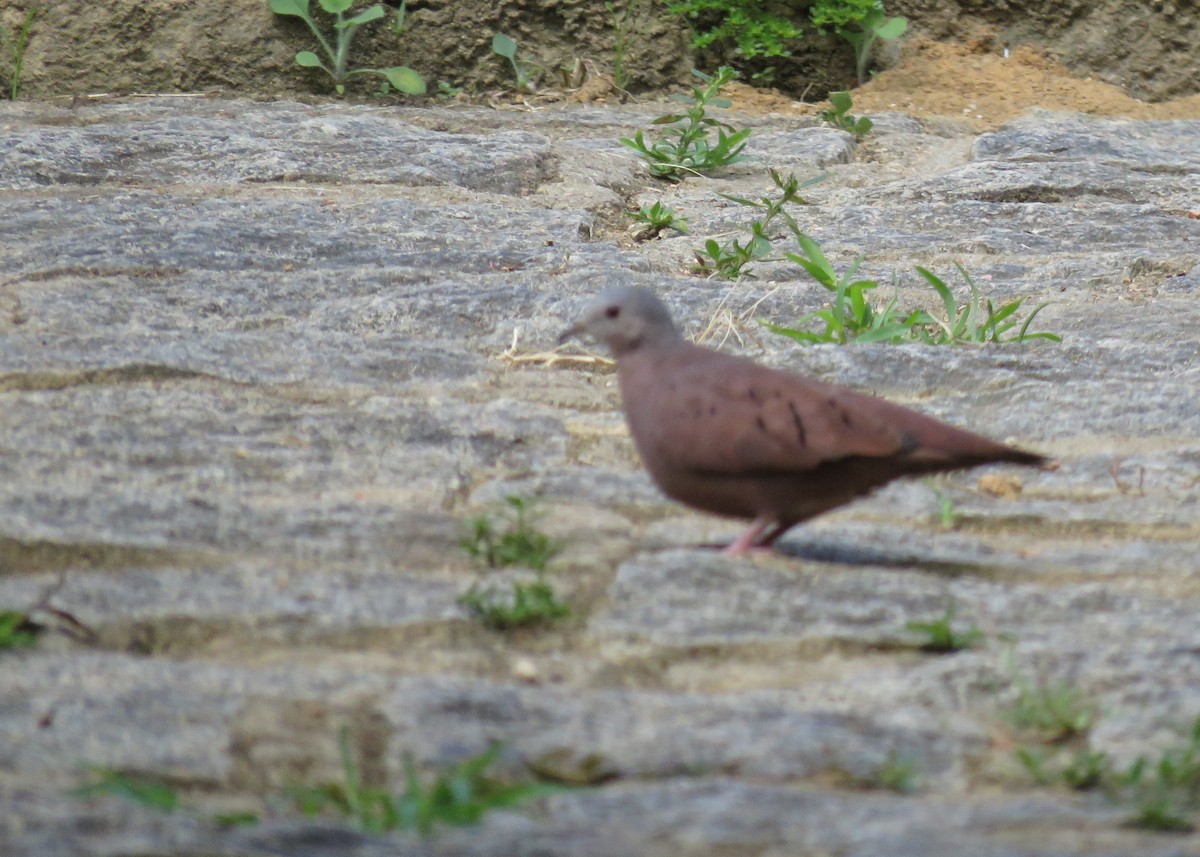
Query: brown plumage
pixel 726 435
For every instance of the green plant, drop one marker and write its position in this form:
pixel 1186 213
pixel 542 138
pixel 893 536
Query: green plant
pixel 508 537
pixel 850 317
pixel 754 30
pixel 941 638
pixel 525 70
pixel 689 149
pixel 460 796
pixel 899 774
pixel 729 260
pixel 16 630
pixel 402 78
pixel 621 18
pixel 859 22
pixel 946 513
pixel 15 46
pixel 976 320
pixel 448 91
pixel 525 605
pixel 1165 792
pixel 659 217
pixel 838 115
pixel 1058 712
pixel 144 791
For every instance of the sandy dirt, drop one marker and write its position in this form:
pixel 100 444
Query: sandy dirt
pixel 978 84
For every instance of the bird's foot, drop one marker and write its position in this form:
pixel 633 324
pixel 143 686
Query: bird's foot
pixel 750 540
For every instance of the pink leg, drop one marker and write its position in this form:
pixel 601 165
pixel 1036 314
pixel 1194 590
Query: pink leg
pixel 749 539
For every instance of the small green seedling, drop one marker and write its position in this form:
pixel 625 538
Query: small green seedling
pixel 401 78
pixel 1083 770
pixel 16 630
pixel 976 320
pixel 1166 793
pixel 525 605
pixel 460 796
pixel 947 515
pixel 1058 712
pixel 508 537
pixel 658 217
pixel 838 116
pixel 861 23
pixel 940 636
pixel 689 148
pixel 144 791
pixel 850 317
pixel 15 46
pixel 525 70
pixel 899 774
pixel 731 259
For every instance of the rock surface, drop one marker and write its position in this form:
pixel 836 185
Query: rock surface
pixel 259 361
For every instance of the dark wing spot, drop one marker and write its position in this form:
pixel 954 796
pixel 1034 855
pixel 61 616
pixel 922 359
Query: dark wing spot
pixel 712 410
pixel 799 423
pixel 846 419
pixel 762 426
pixel 752 393
pixel 908 442
pixel 612 311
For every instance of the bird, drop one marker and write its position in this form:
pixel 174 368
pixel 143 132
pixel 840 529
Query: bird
pixel 728 436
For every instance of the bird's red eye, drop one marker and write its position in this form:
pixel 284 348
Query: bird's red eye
pixel 612 311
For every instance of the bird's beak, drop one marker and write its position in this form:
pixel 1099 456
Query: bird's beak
pixel 570 333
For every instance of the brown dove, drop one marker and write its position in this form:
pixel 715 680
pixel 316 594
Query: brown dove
pixel 726 435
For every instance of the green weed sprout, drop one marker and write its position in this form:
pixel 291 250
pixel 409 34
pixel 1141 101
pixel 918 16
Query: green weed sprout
pixel 15 47
pixel 1166 791
pixel 838 115
pixel 141 790
pixel 730 260
pixel 508 538
pixel 526 605
pixel 861 23
pixel 689 148
pixel 525 70
pixel 976 320
pixel 940 636
pixel 401 78
pixel 16 631
pixel 460 796
pixel 850 318
pixel 658 217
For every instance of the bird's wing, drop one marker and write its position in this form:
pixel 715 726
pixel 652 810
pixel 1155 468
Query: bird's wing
pixel 711 412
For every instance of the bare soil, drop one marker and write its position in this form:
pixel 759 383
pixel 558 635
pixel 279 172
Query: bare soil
pixel 978 84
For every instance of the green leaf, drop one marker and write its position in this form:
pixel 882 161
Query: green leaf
pixel 840 101
pixel 308 59
pixel 298 8
pixel 334 7
pixel 405 80
pixel 373 14
pixel 134 789
pixel 504 46
pixel 894 28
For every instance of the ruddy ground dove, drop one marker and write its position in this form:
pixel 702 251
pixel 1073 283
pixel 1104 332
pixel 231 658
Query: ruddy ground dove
pixel 726 435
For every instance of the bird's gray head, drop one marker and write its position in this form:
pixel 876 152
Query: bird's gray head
pixel 625 318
